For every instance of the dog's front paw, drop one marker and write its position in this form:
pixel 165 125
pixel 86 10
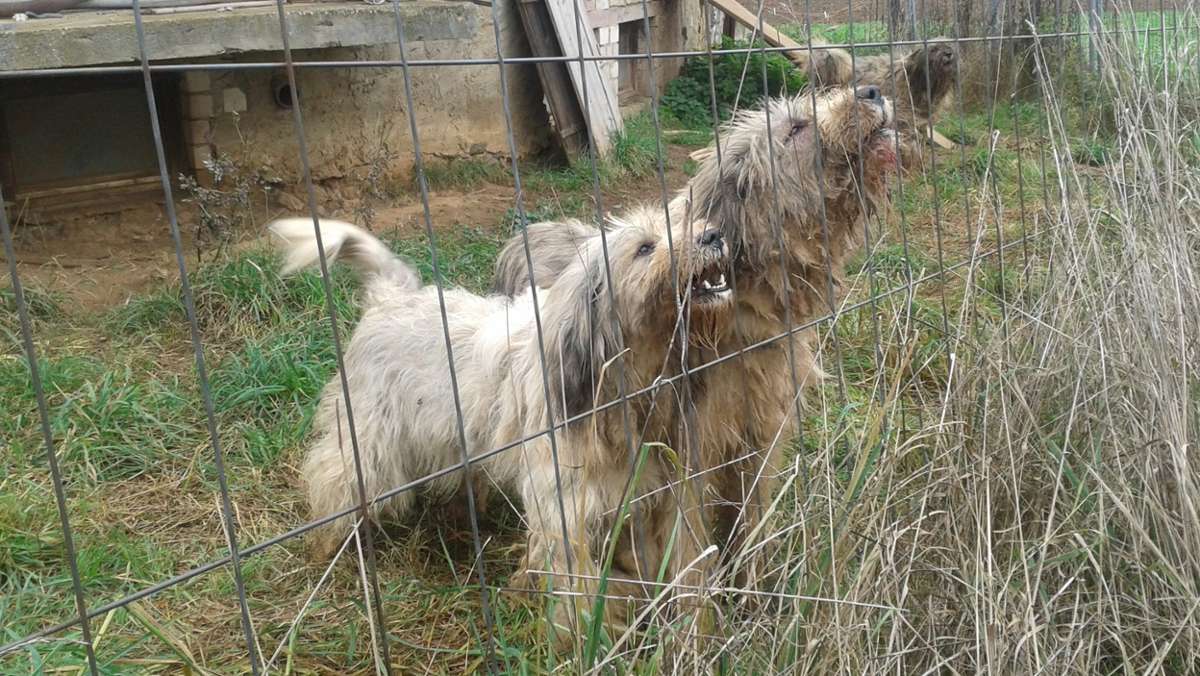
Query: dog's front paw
pixel 527 583
pixel 322 546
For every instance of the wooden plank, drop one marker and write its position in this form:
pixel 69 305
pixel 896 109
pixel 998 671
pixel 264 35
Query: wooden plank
pixel 556 81
pixel 83 186
pixel 736 11
pixel 942 141
pixel 601 109
pixel 612 16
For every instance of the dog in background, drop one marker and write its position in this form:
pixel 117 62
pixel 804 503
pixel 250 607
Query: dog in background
pixel 634 306
pixel 790 191
pixel 919 83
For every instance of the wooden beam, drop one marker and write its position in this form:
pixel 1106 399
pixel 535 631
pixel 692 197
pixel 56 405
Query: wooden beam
pixel 736 11
pixel 612 16
pixel 942 141
pixel 601 110
pixel 556 81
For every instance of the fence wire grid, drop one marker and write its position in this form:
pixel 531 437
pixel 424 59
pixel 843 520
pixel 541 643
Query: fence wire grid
pixel 1068 48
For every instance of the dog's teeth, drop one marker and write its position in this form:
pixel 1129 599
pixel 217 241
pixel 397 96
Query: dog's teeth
pixel 706 285
pixel 721 280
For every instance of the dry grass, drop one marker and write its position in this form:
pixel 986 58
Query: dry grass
pixel 1021 497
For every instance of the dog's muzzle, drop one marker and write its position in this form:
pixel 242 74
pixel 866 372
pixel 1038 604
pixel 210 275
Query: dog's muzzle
pixel 709 282
pixel 880 140
pixel 869 93
pixel 872 95
pixel 946 55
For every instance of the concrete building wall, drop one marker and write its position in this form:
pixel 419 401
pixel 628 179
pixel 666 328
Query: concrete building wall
pixel 356 116
pixel 619 26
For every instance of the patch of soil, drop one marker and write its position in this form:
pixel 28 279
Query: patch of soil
pixel 98 260
pixel 649 189
pixel 448 210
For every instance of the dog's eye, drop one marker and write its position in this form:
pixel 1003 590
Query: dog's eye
pixel 797 127
pixel 644 250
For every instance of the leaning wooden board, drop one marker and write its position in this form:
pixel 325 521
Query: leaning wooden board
pixel 556 81
pixel 942 141
pixel 733 9
pixel 601 108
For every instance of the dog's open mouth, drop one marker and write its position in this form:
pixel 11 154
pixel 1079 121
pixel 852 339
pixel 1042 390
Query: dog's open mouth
pixel 711 284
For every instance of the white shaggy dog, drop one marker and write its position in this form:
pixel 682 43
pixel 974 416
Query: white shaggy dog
pixel 656 285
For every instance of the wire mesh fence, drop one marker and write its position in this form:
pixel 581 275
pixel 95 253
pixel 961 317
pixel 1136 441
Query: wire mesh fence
pixel 991 472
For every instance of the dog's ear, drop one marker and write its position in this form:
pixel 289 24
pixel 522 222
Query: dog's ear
pixel 730 214
pixel 579 335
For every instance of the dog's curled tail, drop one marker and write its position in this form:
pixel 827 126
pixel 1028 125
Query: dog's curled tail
pixel 345 241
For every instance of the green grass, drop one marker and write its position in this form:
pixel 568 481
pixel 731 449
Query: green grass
pixel 465 257
pixel 689 138
pixel 1092 152
pixel 892 263
pixel 31 526
pixel 974 128
pixel 978 171
pixel 138 421
pixel 633 154
pixel 843 34
pixel 463 174
pixel 109 423
pixel 1141 35
pixel 561 206
pixel 43 307
pixel 146 313
pixel 979 464
pixel 134 421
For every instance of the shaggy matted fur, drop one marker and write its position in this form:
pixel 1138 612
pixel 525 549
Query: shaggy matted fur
pixel 918 83
pixel 793 209
pixel 396 364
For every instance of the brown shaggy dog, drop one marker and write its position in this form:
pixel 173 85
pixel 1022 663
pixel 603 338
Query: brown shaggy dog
pixel 918 82
pixel 790 190
pixel 656 289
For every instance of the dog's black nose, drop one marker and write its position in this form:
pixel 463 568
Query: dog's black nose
pixel 710 237
pixel 870 93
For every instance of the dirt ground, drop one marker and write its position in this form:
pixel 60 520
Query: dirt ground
pixel 99 259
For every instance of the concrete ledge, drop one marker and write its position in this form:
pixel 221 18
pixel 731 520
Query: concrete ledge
pixel 92 39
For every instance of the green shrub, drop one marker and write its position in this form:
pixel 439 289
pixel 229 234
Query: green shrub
pixel 737 83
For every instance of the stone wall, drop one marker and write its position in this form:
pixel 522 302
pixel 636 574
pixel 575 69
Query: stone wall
pixel 357 116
